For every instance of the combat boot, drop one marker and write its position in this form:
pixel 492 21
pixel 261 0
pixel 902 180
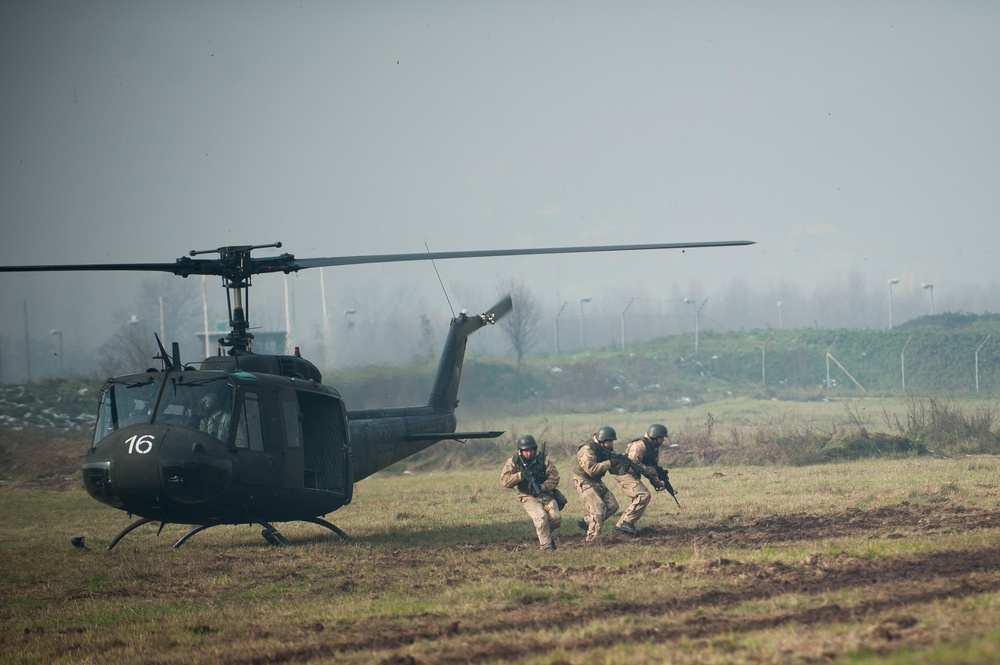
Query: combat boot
pixel 582 523
pixel 627 528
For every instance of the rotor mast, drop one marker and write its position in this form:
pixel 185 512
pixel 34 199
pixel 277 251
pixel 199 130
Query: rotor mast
pixel 237 271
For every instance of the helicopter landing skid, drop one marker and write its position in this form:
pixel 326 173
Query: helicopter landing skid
pixel 134 525
pixel 274 536
pixel 270 534
pixel 322 522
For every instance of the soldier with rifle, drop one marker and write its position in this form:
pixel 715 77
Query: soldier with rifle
pixel 641 460
pixel 593 460
pixel 536 481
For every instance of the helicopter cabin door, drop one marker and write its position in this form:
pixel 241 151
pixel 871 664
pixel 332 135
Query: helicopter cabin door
pixel 315 442
pixel 290 416
pixel 259 460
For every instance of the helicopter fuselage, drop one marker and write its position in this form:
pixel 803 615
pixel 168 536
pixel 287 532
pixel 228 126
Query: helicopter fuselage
pixel 276 449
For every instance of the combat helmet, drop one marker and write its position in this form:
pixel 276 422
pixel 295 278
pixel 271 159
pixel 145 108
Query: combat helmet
pixel 527 442
pixel 606 434
pixel 655 431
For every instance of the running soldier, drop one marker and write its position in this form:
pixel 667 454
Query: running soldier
pixel 535 479
pixel 593 460
pixel 645 452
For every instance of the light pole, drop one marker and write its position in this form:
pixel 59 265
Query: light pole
pixel 204 315
pixel 623 322
pixel 930 288
pixel 289 342
pixel 894 280
pixel 697 316
pixel 902 363
pixel 348 321
pixel 978 349
pixel 59 334
pixel 583 336
pixel 557 324
pixel 763 361
pixel 327 336
pixel 780 322
pixel 163 328
pixel 694 316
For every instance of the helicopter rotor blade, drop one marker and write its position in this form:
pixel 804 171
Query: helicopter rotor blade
pixel 236 264
pixel 501 309
pixel 182 267
pixel 298 264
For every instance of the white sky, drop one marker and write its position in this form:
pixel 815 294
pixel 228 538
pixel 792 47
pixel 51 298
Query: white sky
pixel 840 136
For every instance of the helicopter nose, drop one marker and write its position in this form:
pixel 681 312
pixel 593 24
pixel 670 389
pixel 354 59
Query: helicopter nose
pixel 194 472
pixel 152 464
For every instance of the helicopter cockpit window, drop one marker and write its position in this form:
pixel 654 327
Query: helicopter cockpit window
pixel 125 403
pixel 249 430
pixel 205 405
pixel 293 431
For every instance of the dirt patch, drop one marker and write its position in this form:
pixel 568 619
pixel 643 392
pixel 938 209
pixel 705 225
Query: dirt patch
pixel 900 521
pixel 887 593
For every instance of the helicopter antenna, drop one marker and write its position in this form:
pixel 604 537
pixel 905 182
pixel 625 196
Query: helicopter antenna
pixel 440 281
pixel 163 357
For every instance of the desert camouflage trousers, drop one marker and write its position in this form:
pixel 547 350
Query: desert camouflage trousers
pixel 633 488
pixel 544 513
pixel 599 503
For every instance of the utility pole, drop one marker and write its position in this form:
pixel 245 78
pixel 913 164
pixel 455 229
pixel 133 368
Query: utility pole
pixel 978 349
pixel 623 322
pixel 27 342
pixel 557 325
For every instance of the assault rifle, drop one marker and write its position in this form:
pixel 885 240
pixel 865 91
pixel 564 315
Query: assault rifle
pixel 533 486
pixel 532 483
pixel 660 480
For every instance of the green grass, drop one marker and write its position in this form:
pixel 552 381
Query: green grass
pixel 848 562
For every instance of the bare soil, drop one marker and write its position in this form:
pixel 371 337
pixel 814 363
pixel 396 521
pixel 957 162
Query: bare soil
pixel 886 596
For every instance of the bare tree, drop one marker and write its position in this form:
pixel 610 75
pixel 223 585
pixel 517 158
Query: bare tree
pixel 130 349
pixel 165 301
pixel 522 324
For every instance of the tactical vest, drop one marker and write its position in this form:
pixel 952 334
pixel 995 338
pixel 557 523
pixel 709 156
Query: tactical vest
pixel 536 467
pixel 601 454
pixel 652 454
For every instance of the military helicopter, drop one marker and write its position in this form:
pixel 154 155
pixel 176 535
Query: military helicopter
pixel 246 438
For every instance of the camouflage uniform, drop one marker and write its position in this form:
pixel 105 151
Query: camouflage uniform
pixel 645 453
pixel 542 509
pixel 591 465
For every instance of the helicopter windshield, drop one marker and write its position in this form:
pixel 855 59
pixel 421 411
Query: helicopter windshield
pixel 125 403
pixel 204 405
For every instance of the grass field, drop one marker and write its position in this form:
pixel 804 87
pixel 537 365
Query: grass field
pixel 887 561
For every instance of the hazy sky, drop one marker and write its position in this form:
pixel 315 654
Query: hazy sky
pixel 840 136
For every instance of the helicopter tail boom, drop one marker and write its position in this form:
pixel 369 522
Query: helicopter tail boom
pixel 381 437
pixel 444 392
